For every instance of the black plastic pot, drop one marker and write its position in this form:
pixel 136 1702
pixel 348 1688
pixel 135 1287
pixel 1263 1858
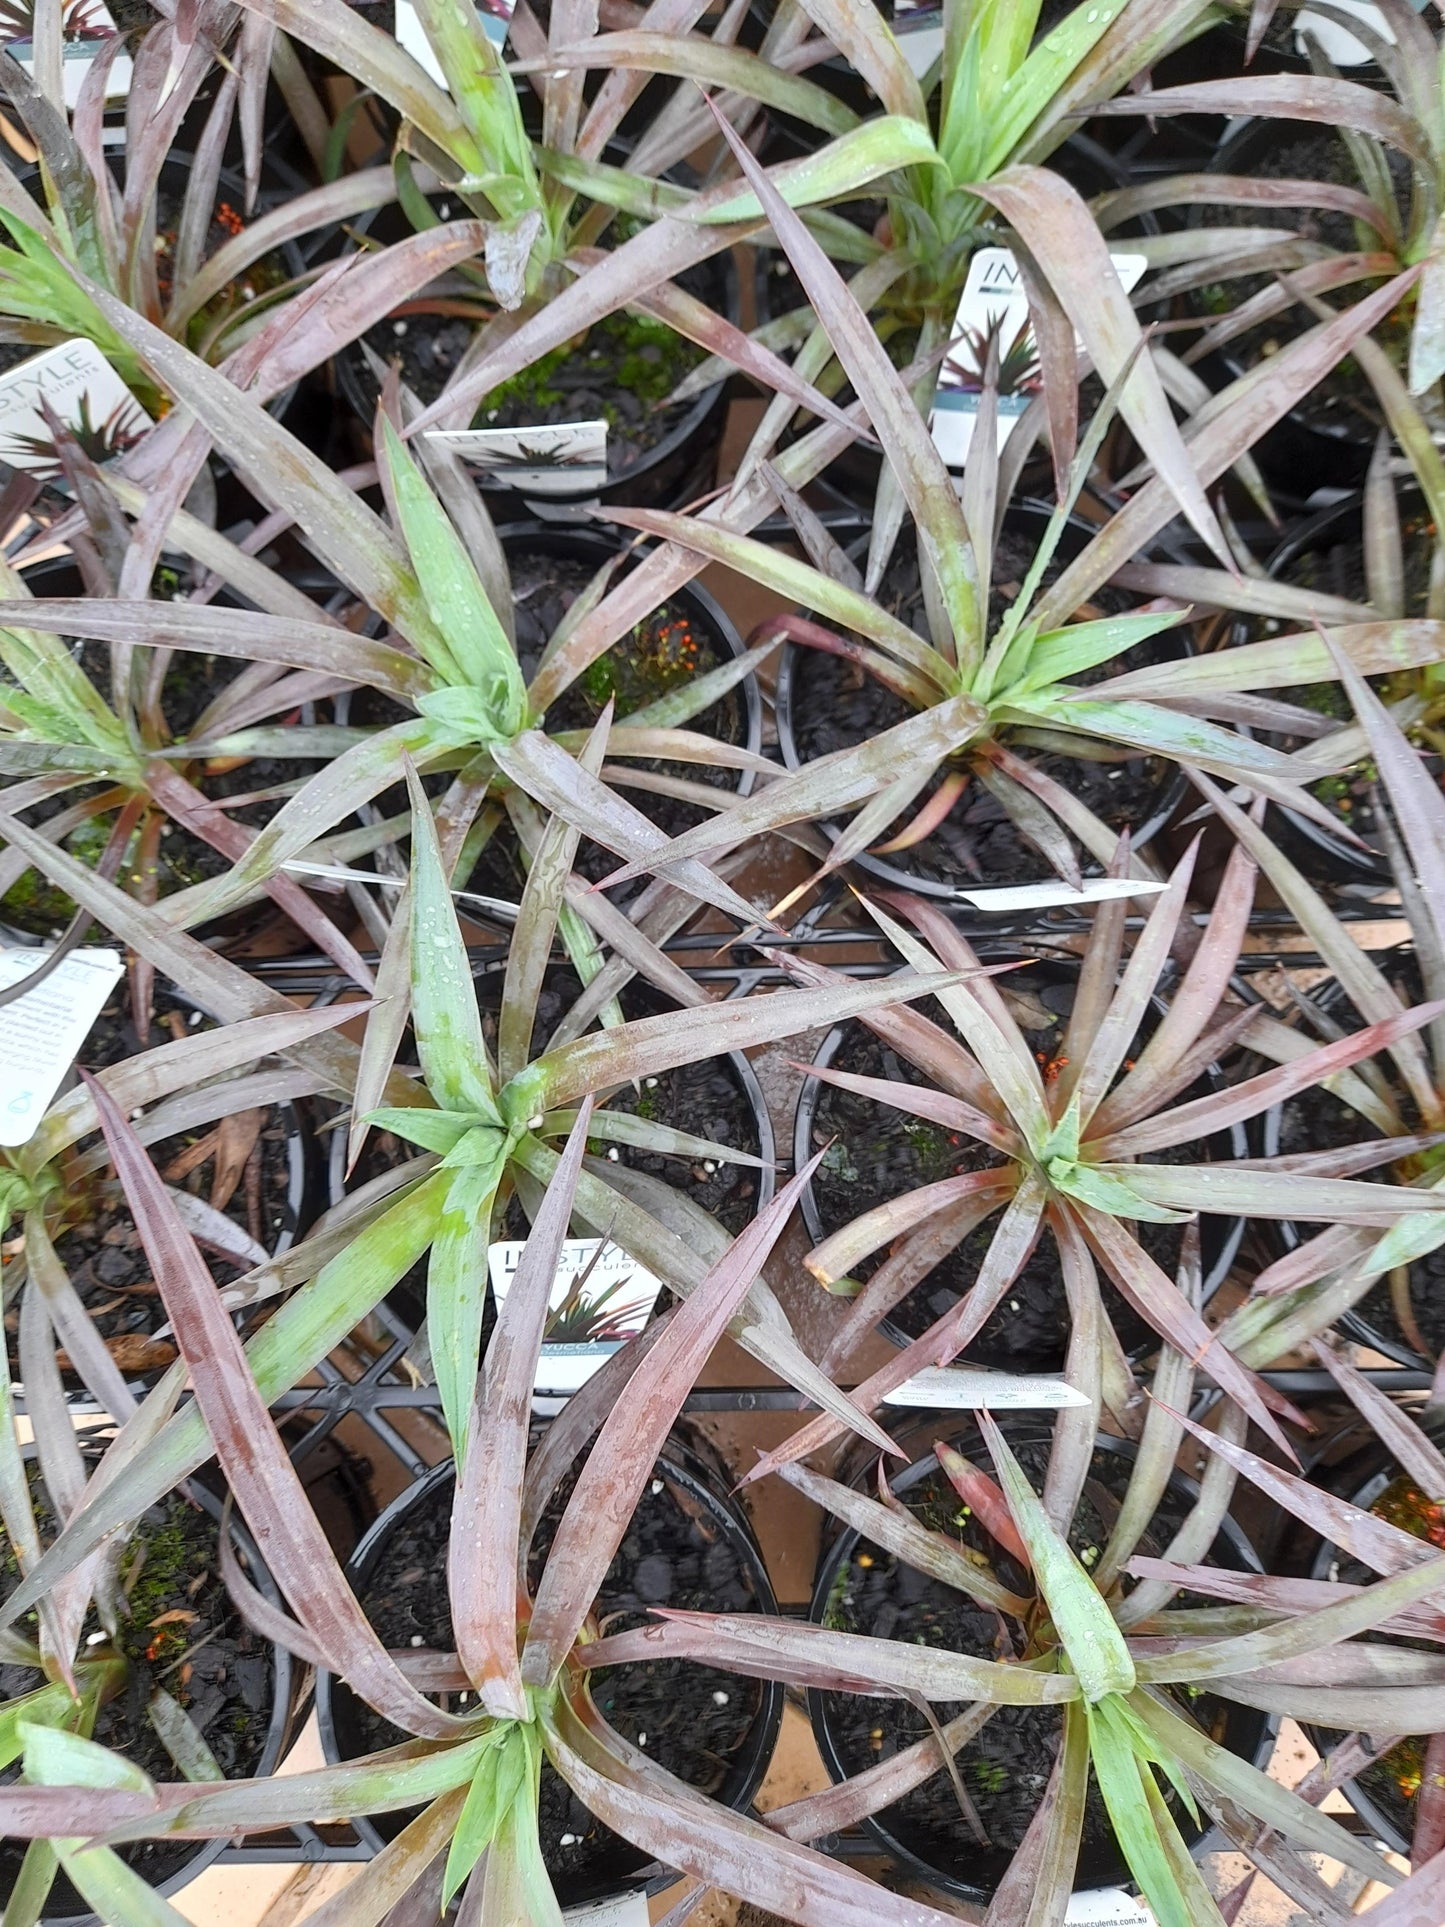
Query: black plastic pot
pixel 586 546
pixel 1220 1237
pixel 408 1299
pixel 66 1905
pixel 1247 1732
pixel 706 1490
pixel 536 537
pixel 1023 517
pixel 674 471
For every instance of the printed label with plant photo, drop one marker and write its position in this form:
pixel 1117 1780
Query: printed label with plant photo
pixel 994 300
pixel 84 393
pixel 85 27
pixel 600 1298
pixel 547 458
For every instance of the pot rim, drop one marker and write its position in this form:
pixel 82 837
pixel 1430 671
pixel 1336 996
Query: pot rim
pixel 805 1113
pixel 690 1471
pixel 1016 1430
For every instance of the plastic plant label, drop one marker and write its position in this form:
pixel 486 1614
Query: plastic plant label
pixel 83 391
pixel 1107 1907
pixel 957 1388
pixel 1334 39
pixel 41 1032
pixel 918 28
pixel 552 458
pixel 85 27
pixel 623 1910
pixel 994 294
pixel 600 1299
pixel 1054 895
pixel 496 17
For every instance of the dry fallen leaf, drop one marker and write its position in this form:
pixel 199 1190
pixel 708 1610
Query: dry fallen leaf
pixel 132 1352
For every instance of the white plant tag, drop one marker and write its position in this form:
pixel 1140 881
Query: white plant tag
pixel 1051 895
pixel 85 26
pixel 950 1388
pixel 551 458
pixel 85 393
pixel 411 34
pixel 1336 40
pixel 623 1910
pixel 918 27
pixel 41 1032
pixel 994 291
pixel 1107 1907
pixel 591 1320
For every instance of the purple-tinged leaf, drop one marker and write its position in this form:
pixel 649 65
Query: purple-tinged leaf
pixel 803 1654
pixel 248 1448
pixel 924 480
pixel 650 1045
pixel 1411 1449
pixel 1063 239
pixel 898 1532
pixel 1220 1109
pixel 944 1340
pixel 1156 1300
pixel 1384 1548
pixel 1313 97
pixel 626 1449
pixel 1246 409
pixel 847 1247
pixel 668 1820
pixel 487 1508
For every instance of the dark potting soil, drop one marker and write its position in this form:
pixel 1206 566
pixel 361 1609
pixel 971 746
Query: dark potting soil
pixel 836 706
pixel 705 1099
pixel 184 1636
pixel 693 1720
pixel 247 1155
pixel 192 683
pixel 622 370
pixel 1344 401
pixel 878 1154
pixel 663 654
pixel 1006 1767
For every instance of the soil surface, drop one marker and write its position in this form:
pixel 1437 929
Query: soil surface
pixel 835 706
pixel 879 1154
pixel 184 1636
pixel 622 370
pixel 693 1720
pixel 1006 1767
pixel 662 655
pixel 242 1164
pixel 706 1100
